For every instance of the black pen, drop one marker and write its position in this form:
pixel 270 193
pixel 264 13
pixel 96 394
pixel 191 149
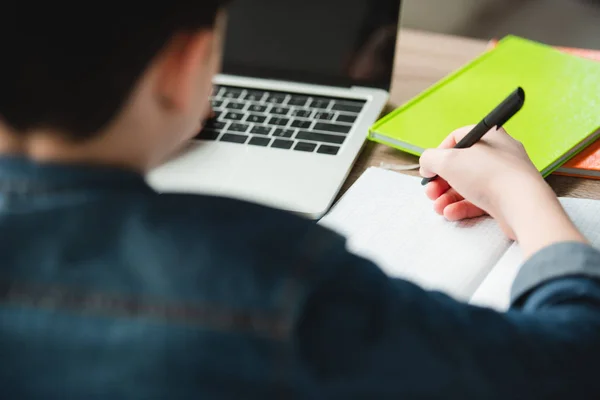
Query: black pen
pixel 498 117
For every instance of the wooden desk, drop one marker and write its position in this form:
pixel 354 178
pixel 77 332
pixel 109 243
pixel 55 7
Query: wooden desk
pixel 423 59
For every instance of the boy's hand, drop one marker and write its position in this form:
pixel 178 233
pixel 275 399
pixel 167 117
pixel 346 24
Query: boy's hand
pixel 496 176
pixel 478 176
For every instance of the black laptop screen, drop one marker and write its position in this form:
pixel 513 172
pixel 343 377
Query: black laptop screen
pixel 329 42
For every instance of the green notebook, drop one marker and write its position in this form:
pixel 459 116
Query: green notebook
pixel 561 115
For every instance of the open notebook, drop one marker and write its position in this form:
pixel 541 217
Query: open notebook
pixel 387 218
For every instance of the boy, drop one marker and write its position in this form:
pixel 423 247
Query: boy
pixel 110 290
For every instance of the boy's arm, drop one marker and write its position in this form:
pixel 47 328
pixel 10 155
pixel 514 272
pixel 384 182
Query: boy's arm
pixel 365 335
pixel 368 336
pixel 496 177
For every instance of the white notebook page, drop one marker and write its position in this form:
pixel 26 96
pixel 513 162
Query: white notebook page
pixel 494 292
pixel 387 218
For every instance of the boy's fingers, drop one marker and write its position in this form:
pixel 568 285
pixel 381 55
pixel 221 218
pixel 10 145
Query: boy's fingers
pixel 425 173
pixel 455 137
pixel 427 161
pixel 498 135
pixel 462 210
pixel 436 161
pixel 496 132
pixel 450 197
pixel 436 188
pixel 431 159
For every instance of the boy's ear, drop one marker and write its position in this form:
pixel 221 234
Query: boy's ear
pixel 182 64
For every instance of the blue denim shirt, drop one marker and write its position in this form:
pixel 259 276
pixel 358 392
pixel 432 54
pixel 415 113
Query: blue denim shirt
pixel 109 290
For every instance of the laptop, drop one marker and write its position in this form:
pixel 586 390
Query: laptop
pixel 301 83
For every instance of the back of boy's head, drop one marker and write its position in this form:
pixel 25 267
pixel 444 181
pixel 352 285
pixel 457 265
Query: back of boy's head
pixel 69 67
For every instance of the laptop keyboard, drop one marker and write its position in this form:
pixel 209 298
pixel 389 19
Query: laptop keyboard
pixel 280 120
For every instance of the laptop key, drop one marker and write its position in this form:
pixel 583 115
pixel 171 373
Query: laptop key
pixel 325 116
pixel 348 107
pixel 233 116
pixel 215 115
pixel 256 119
pixel 321 104
pixel 252 95
pixel 276 98
pixel 217 103
pixel 215 91
pixel 261 130
pixel 234 105
pixel 279 121
pixel 207 134
pixel 320 137
pixel 259 141
pixel 301 124
pixel 235 127
pixel 307 147
pixel 336 128
pixel 282 144
pixel 299 101
pixel 233 138
pixel 331 150
pixel 350 119
pixel 280 111
pixel 301 113
pixel 214 125
pixel 283 133
pixel 257 108
pixel 230 93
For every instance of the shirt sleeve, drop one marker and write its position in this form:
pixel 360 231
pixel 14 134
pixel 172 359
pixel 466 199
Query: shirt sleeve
pixel 555 262
pixel 365 335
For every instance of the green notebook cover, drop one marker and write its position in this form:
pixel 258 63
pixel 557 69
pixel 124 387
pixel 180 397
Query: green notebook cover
pixel 561 115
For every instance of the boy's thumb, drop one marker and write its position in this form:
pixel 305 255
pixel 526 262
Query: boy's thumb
pixel 436 161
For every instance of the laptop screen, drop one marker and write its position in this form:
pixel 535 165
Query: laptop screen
pixel 328 42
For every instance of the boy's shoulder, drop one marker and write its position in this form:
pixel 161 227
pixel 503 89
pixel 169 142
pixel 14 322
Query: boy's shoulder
pixel 228 216
pixel 213 247
pixel 227 230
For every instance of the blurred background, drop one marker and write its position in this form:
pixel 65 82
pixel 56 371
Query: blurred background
pixel 571 23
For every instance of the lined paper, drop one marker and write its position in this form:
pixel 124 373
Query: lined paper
pixel 387 218
pixel 494 292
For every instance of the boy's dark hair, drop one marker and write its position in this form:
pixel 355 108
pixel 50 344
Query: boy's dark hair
pixel 70 66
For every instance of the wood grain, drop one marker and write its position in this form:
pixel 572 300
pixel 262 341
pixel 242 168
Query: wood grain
pixel 422 59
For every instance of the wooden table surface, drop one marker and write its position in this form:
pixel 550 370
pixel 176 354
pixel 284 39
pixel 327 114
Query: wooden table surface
pixel 423 58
